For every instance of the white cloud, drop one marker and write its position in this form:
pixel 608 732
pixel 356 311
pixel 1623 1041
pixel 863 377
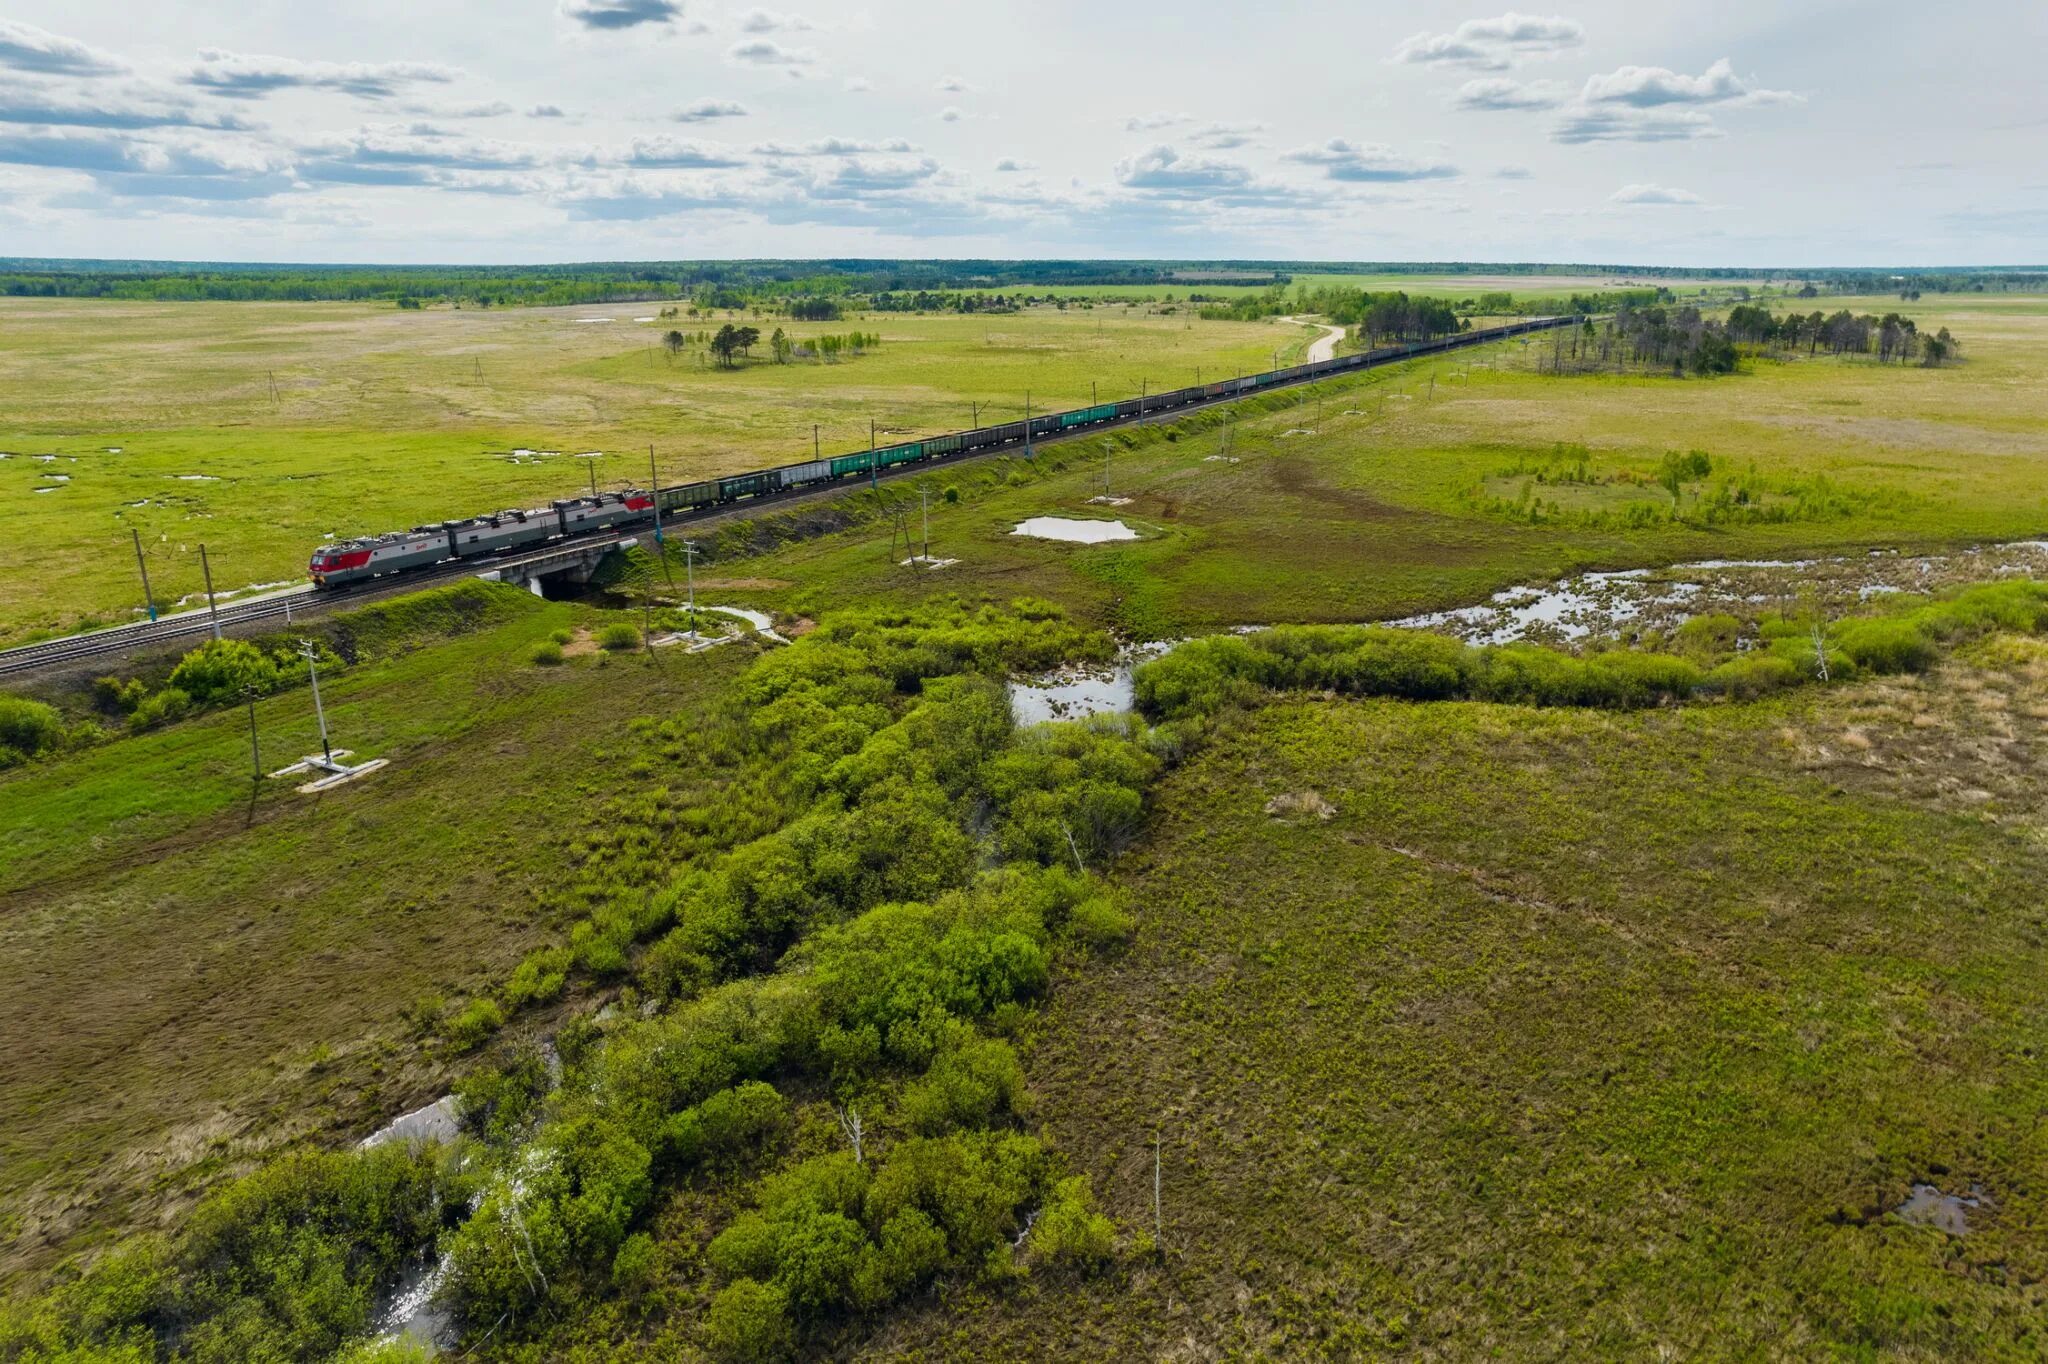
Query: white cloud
pixel 1163 168
pixel 610 16
pixel 1496 93
pixel 1582 125
pixel 1368 163
pixel 1224 136
pixel 138 107
pixel 1492 44
pixel 767 52
pixel 1148 123
pixel 240 76
pixel 705 110
pixel 1648 87
pixel 1010 165
pixel 1653 194
pixel 546 111
pixel 28 48
pixel 953 85
pixel 669 153
pixel 834 146
pixel 859 85
pixel 768 21
pixel 949 114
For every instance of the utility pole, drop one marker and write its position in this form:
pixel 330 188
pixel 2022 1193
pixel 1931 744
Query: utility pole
pixel 312 657
pixel 924 495
pixel 255 753
pixel 814 440
pixel 211 610
pixel 974 417
pixel 1093 398
pixel 592 466
pixel 654 492
pixel 690 567
pixel 874 473
pixel 1027 423
pixel 148 597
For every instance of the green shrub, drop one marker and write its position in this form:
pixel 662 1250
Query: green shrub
pixel 749 1323
pixel 478 1020
pixel 618 637
pixel 1069 1230
pixel 635 1266
pixel 743 1120
pixel 973 1085
pixel 1748 676
pixel 1884 645
pixel 29 727
pixel 499 1103
pixel 1098 924
pixel 163 708
pixel 539 977
pixel 562 637
pixel 117 696
pixel 1708 638
pixel 547 654
pixel 225 670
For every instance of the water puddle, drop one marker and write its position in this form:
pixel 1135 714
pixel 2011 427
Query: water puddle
pixel 1928 1206
pixel 411 1315
pixel 196 478
pixel 1074 530
pixel 587 321
pixel 1632 601
pixel 1074 693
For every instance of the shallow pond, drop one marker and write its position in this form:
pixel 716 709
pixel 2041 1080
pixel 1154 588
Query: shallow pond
pixel 1074 530
pixel 1630 601
pixel 1077 692
pixel 1928 1206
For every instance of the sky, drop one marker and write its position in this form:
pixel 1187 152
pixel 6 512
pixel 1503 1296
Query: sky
pixel 1740 133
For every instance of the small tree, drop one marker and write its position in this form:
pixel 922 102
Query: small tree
pixel 779 344
pixel 673 344
pixel 725 343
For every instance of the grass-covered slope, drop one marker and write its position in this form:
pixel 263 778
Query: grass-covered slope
pixel 1470 1030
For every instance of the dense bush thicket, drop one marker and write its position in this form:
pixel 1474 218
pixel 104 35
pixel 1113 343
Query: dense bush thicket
pixel 28 729
pixel 1206 676
pixel 818 983
pixel 1698 490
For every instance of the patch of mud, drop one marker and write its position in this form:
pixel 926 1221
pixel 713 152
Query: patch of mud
pixel 1632 601
pixel 432 1122
pixel 1928 1206
pixel 1301 805
pixel 1074 530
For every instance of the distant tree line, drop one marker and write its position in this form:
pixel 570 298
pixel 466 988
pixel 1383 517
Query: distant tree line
pixel 884 285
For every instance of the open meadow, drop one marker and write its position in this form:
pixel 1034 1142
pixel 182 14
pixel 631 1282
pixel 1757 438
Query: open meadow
pixel 260 428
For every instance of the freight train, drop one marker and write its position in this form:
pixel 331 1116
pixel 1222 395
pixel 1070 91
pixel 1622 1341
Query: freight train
pixel 478 536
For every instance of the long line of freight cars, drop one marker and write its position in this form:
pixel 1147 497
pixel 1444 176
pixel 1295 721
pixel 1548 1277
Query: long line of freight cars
pixel 398 551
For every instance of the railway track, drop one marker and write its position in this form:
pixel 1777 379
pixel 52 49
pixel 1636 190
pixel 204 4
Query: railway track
pixel 72 651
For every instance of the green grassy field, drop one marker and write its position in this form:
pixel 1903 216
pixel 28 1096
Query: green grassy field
pixel 1567 1035
pixel 192 979
pixel 1359 509
pixel 259 428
